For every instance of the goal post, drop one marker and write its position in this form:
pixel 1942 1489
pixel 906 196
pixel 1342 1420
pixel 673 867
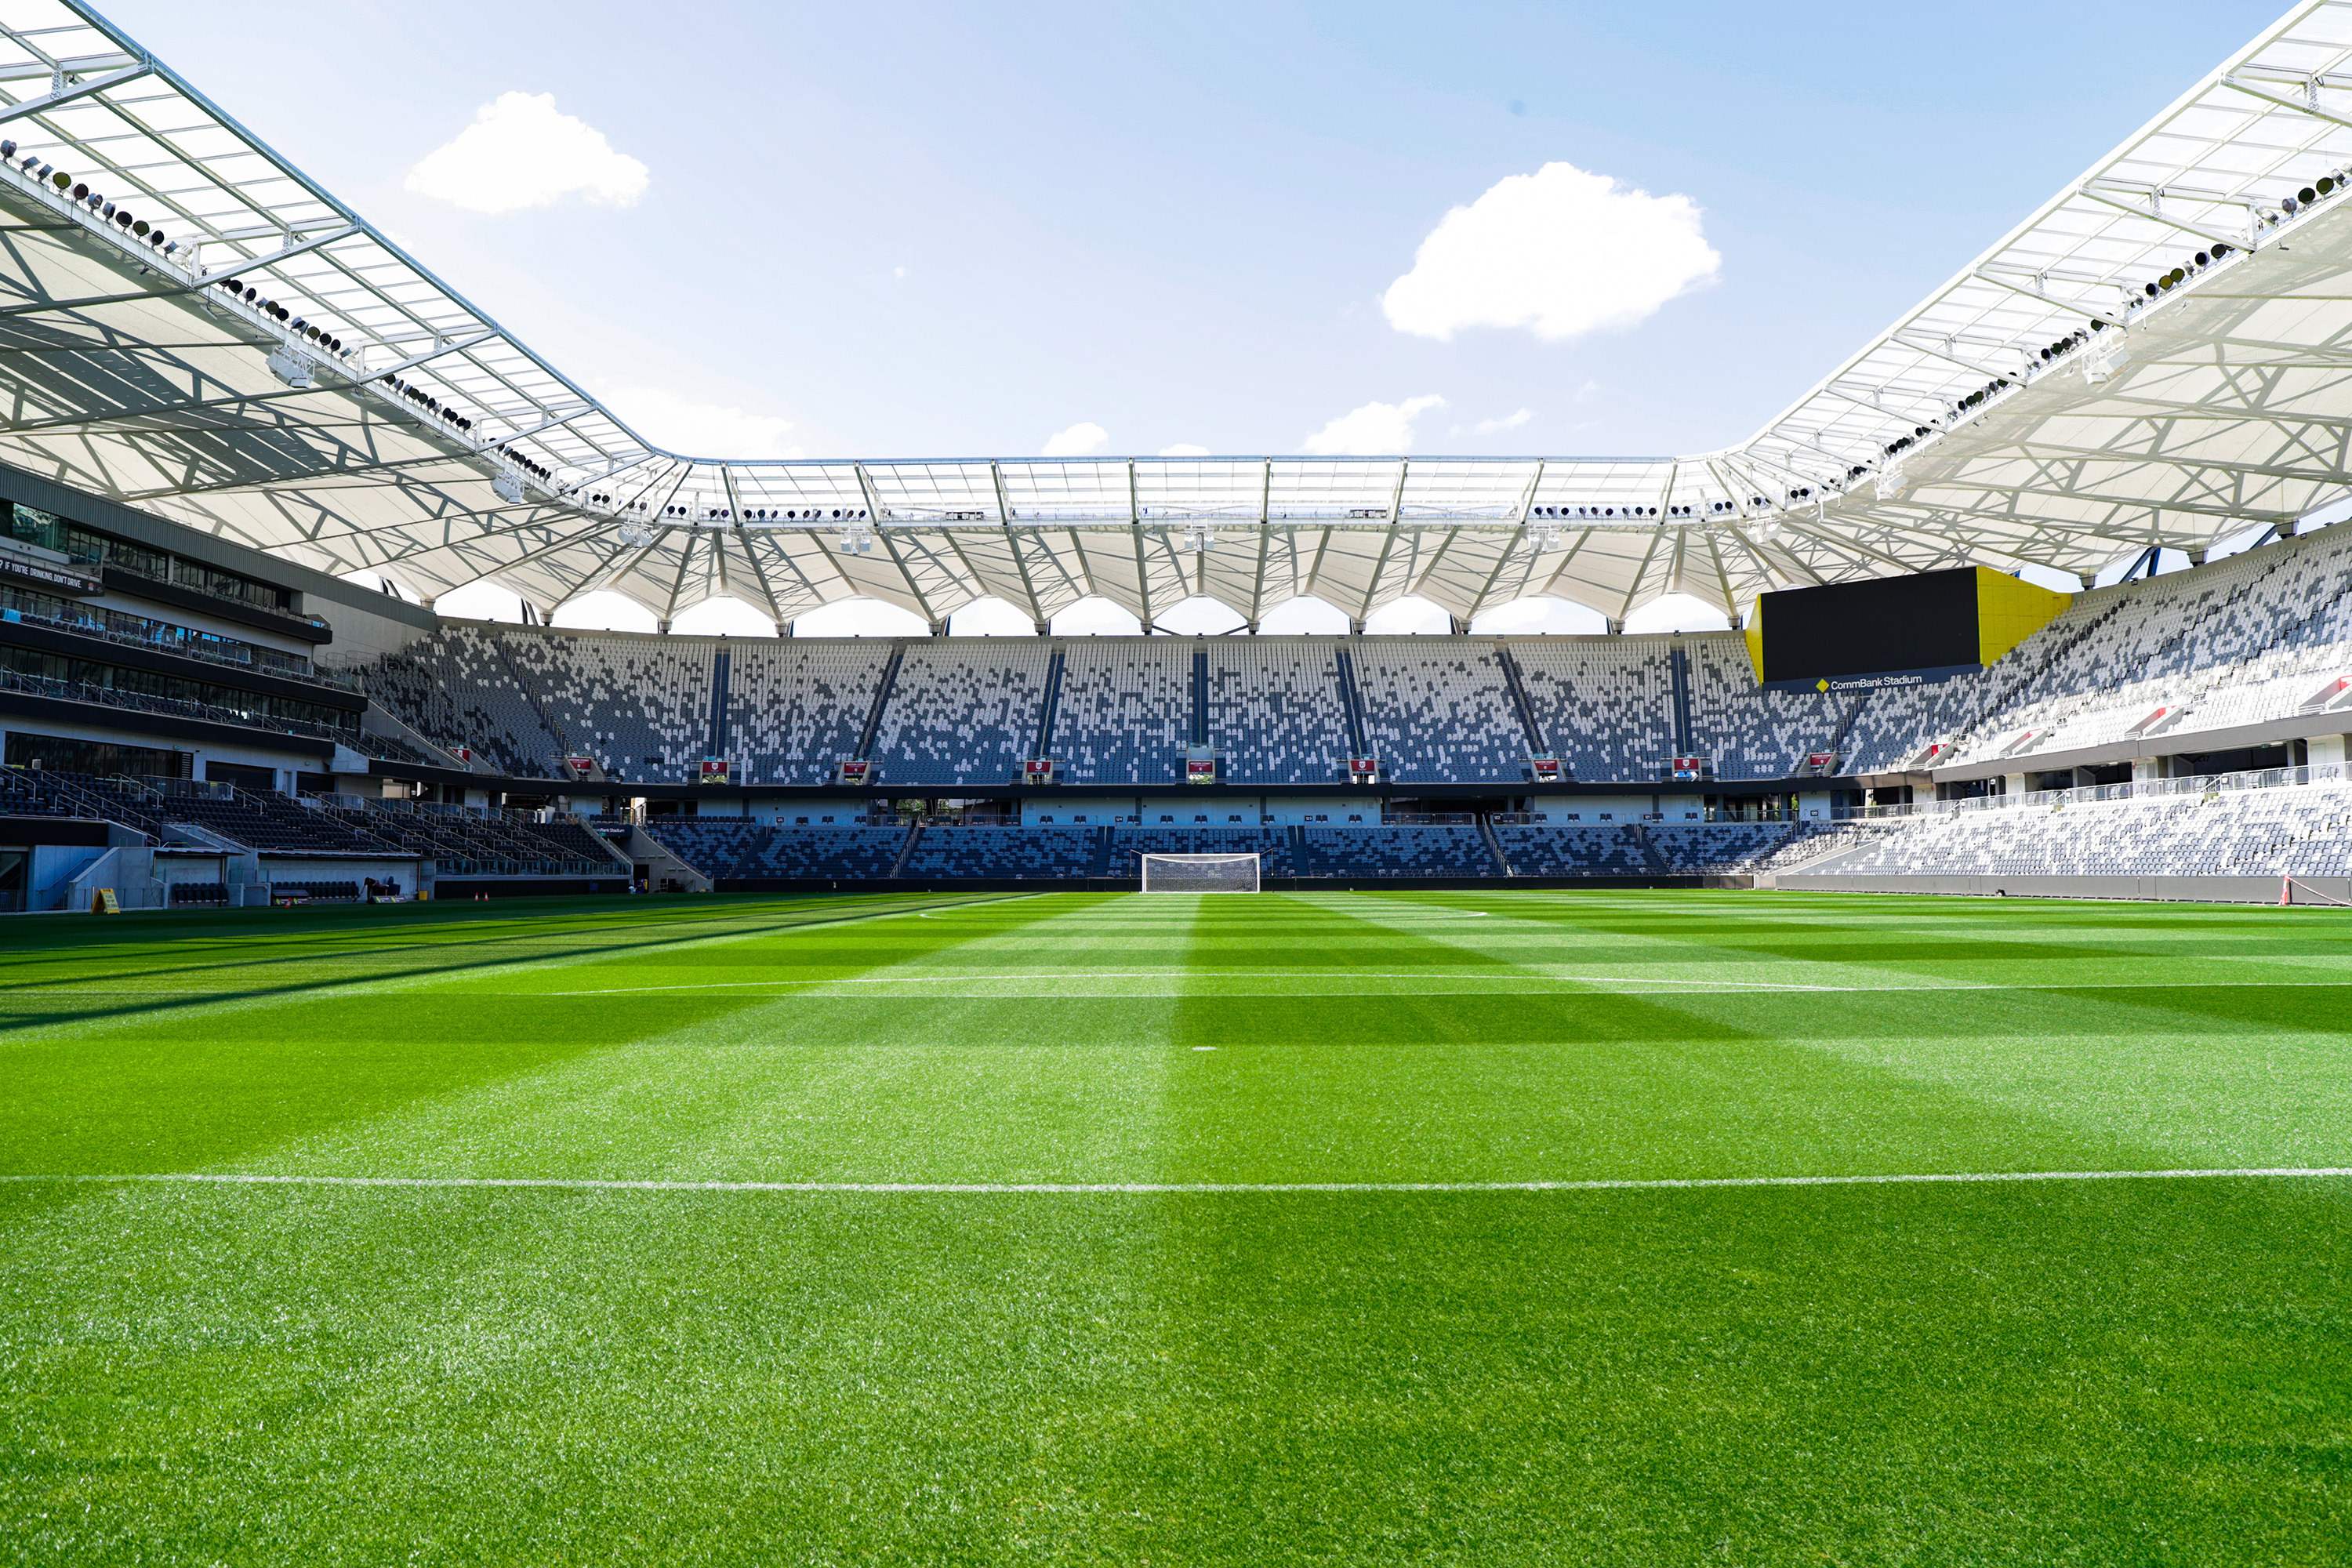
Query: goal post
pixel 1200 873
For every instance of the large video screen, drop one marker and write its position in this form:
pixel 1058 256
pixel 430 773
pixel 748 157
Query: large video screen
pixel 1924 622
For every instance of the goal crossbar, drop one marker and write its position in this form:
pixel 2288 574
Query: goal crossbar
pixel 1200 873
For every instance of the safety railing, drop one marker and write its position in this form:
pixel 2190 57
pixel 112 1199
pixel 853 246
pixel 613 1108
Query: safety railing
pixel 138 702
pixel 446 867
pixel 2203 785
pixel 125 630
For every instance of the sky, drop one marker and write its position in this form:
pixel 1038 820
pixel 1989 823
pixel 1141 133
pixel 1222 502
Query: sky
pixel 921 230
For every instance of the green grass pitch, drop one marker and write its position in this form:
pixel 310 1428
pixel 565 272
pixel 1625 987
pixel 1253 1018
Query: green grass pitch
pixel 1078 1228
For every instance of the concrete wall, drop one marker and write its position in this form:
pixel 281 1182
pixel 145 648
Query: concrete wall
pixel 1588 809
pixel 293 869
pixel 1292 811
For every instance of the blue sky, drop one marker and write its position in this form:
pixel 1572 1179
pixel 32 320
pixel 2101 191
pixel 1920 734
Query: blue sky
pixel 928 229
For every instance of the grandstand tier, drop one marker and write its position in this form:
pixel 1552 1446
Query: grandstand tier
pixel 2190 663
pixel 918 760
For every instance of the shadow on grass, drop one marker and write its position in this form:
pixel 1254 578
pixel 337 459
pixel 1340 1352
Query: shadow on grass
pixel 502 958
pixel 159 1087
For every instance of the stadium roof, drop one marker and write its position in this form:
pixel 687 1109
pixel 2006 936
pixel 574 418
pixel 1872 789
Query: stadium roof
pixel 2160 355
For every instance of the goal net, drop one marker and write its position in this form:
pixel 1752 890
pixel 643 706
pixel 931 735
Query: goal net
pixel 1200 873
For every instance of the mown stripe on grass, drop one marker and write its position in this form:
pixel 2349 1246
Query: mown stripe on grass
pixel 1661 1183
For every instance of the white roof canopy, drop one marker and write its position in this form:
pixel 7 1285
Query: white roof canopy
pixel 402 430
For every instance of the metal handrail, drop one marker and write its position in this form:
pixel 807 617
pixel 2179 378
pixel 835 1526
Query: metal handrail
pixel 138 702
pixel 2205 785
pixel 20 609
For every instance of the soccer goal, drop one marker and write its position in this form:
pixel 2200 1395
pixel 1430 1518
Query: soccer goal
pixel 1200 873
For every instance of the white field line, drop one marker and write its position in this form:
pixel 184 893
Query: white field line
pixel 1196 975
pixel 421 979
pixel 1437 985
pixel 1662 1184
pixel 1596 985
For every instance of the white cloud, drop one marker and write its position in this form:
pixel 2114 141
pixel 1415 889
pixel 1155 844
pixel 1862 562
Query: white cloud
pixel 694 429
pixel 1560 252
pixel 1511 422
pixel 1677 613
pixel 1526 617
pixel 1303 615
pixel 1096 617
pixel 860 619
pixel 1081 439
pixel 990 617
pixel 519 153
pixel 722 615
pixel 1182 449
pixel 1375 430
pixel 1410 617
pixel 483 599
pixel 605 611
pixel 1200 616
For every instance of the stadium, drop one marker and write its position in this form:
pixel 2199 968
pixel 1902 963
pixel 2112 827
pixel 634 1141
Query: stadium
pixel 493 1090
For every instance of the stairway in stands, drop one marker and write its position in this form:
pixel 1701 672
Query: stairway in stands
pixel 882 690
pixel 1512 684
pixel 914 830
pixel 1495 847
pixel 1651 857
pixel 1352 702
